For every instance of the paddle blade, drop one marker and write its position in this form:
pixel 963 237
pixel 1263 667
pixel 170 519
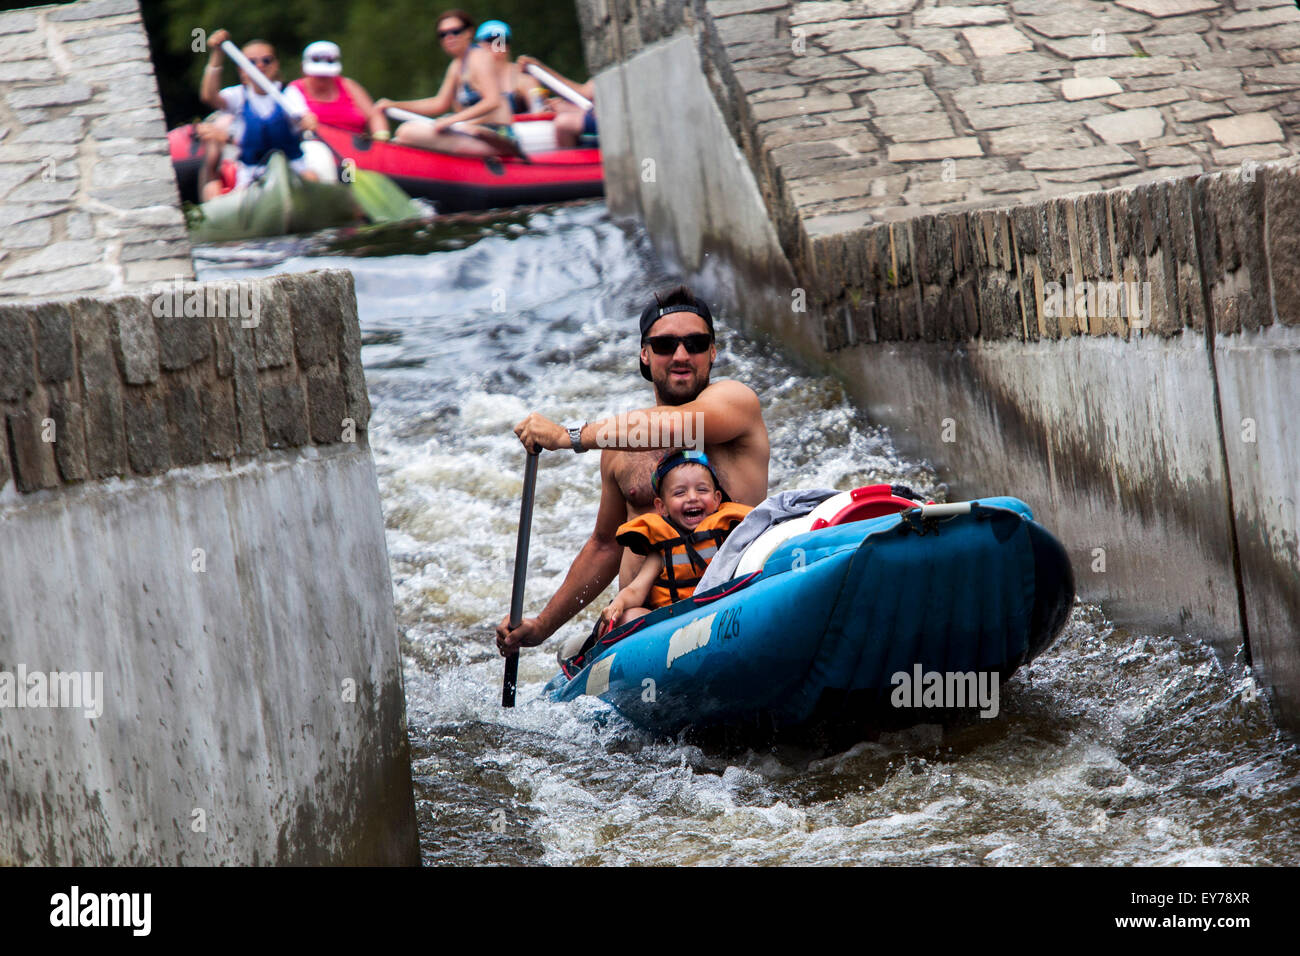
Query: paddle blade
pixel 510 680
pixel 381 199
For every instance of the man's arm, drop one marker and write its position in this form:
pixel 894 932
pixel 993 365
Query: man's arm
pixel 210 88
pixel 589 575
pixel 721 413
pixel 299 112
pixel 430 106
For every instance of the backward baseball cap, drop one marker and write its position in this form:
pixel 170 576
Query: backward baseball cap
pixel 656 310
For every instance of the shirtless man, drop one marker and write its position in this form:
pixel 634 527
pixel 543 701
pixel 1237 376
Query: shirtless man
pixel 726 415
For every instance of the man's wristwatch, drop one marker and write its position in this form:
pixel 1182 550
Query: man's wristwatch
pixel 575 437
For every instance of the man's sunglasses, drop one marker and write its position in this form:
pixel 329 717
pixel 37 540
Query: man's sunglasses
pixel 261 60
pixel 443 34
pixel 322 58
pixel 695 343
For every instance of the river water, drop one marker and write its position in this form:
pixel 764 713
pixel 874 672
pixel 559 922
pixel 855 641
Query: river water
pixel 1112 748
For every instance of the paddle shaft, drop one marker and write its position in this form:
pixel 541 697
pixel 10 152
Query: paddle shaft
pixel 397 113
pixel 559 86
pixel 271 90
pixel 521 571
pixel 463 128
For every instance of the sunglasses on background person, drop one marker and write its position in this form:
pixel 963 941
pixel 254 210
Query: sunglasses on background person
pixel 443 34
pixel 261 60
pixel 695 343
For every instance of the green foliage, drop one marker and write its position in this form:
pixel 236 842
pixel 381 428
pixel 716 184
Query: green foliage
pixel 389 47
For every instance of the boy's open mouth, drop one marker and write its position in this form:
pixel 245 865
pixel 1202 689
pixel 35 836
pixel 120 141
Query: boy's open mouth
pixel 692 512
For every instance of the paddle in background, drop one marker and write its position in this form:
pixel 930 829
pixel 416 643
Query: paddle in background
pixel 553 82
pixel 521 570
pixel 381 199
pixel 503 143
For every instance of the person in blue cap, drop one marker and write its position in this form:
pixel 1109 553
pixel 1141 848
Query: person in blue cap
pixel 470 85
pixel 692 517
pixel 494 36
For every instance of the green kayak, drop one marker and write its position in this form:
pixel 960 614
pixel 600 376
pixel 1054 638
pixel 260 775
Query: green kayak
pixel 282 202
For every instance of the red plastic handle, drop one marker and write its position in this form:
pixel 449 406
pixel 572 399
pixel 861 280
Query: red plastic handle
pixel 869 501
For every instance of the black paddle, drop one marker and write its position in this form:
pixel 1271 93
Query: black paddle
pixel 521 570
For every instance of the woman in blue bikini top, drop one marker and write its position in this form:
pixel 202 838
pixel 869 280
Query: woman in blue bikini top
pixel 471 85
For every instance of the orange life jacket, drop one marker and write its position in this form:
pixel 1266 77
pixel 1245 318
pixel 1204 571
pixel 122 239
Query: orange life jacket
pixel 685 556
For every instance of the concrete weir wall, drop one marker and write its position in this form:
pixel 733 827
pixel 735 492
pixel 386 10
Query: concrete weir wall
pixel 190 522
pixel 1161 448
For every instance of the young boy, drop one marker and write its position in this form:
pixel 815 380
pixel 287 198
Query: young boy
pixel 694 518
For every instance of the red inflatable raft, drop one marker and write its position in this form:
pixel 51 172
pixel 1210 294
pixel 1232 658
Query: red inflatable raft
pixel 453 183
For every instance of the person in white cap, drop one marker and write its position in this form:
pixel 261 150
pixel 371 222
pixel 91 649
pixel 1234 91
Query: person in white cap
pixel 335 99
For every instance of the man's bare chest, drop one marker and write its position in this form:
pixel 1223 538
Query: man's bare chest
pixel 633 472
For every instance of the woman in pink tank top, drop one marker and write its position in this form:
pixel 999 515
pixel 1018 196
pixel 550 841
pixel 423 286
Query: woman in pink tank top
pixel 336 100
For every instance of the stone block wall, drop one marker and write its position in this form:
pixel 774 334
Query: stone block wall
pixel 613 30
pixel 107 387
pixel 1201 246
pixel 191 514
pixel 88 199
pixel 885 110
pixel 190 511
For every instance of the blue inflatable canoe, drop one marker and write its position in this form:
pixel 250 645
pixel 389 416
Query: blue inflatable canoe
pixel 899 619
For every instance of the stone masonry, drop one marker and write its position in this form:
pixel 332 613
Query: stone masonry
pixel 190 512
pixel 882 150
pixel 882 110
pixel 88 199
pixel 105 387
pixel 1069 226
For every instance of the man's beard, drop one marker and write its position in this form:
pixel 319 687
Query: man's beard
pixel 688 393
